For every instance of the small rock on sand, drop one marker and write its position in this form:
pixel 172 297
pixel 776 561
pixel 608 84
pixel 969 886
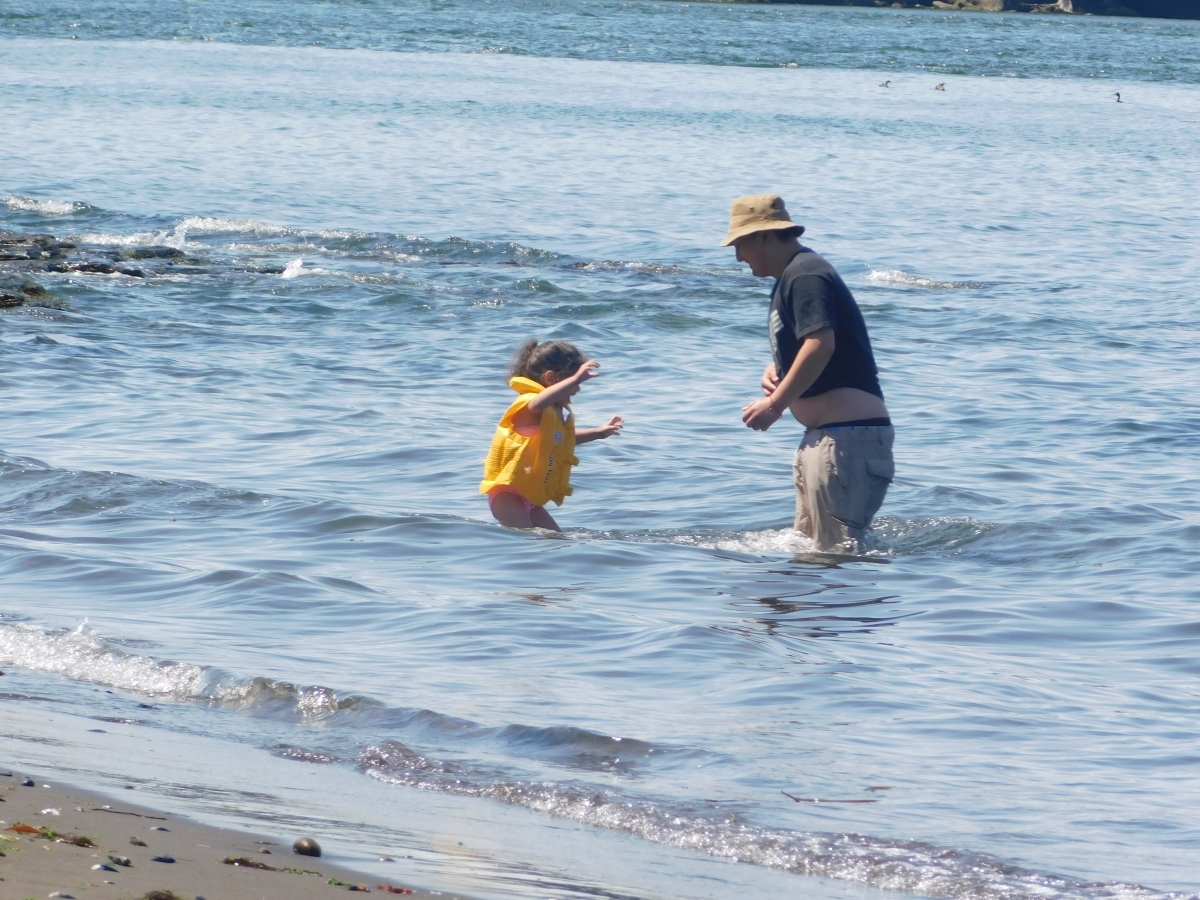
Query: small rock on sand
pixel 306 846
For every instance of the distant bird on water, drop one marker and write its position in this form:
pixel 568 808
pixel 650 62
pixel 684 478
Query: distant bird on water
pixel 886 83
pixel 941 87
pixel 1118 95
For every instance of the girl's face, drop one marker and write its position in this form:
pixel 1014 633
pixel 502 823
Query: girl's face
pixel 550 378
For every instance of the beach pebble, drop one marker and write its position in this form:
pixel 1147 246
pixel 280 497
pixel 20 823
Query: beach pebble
pixel 158 828
pixel 306 846
pixel 27 782
pixel 103 867
pixel 163 859
pixel 62 895
pixel 120 860
pixel 137 842
pixel 264 850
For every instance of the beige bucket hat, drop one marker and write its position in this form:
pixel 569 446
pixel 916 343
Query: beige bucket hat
pixel 757 212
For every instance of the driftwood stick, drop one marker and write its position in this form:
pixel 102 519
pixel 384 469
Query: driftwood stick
pixel 819 800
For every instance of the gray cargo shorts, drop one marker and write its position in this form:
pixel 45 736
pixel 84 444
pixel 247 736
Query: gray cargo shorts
pixel 841 476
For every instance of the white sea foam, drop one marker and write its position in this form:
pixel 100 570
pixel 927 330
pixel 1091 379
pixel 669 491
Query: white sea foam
pixel 911 867
pixel 137 239
pixel 904 279
pixel 168 237
pixel 44 207
pixel 782 540
pixel 216 225
pixel 84 656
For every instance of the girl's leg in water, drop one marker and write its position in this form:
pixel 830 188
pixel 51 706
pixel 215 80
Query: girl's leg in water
pixel 542 519
pixel 510 511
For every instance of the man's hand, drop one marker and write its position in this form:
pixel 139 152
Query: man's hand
pixel 770 380
pixel 760 414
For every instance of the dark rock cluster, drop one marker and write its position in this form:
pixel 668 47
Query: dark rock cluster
pixel 22 255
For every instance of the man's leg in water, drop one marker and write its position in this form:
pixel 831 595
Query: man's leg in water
pixel 803 522
pixel 841 479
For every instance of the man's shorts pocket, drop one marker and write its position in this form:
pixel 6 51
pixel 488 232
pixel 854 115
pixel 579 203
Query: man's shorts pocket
pixel 882 468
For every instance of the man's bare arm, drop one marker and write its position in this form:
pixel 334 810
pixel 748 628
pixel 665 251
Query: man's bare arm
pixel 811 360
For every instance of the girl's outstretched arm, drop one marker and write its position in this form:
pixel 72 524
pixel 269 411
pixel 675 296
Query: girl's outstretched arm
pixel 563 390
pixel 611 427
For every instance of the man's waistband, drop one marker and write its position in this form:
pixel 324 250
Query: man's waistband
pixel 855 423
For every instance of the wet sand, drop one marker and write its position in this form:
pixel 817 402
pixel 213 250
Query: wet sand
pixel 54 838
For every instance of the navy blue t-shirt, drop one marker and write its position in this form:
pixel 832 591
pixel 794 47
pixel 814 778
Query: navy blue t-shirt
pixel 808 297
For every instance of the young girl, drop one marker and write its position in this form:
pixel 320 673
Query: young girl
pixel 533 449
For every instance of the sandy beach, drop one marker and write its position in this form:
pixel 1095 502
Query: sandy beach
pixel 60 841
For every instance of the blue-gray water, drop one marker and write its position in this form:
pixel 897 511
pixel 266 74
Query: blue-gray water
pixel 253 473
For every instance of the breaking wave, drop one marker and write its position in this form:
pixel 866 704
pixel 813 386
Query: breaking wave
pixel 45 207
pixel 912 867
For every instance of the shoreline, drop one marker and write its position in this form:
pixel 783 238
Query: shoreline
pixel 61 840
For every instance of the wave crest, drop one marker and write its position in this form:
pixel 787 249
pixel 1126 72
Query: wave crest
pixel 904 279
pixel 45 207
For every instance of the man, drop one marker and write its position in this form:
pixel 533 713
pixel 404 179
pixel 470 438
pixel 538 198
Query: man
pixel 823 371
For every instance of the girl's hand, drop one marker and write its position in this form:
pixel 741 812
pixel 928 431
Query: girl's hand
pixel 608 429
pixel 611 427
pixel 560 391
pixel 586 371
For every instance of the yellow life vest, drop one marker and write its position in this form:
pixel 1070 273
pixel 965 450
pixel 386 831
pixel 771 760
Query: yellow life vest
pixel 539 466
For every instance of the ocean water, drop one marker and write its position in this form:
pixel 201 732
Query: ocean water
pixel 243 564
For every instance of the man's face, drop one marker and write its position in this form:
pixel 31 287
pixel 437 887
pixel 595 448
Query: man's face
pixel 752 250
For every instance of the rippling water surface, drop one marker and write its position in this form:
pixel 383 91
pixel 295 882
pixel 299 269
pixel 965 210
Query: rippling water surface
pixel 238 508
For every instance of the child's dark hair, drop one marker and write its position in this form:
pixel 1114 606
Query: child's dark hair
pixel 533 359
